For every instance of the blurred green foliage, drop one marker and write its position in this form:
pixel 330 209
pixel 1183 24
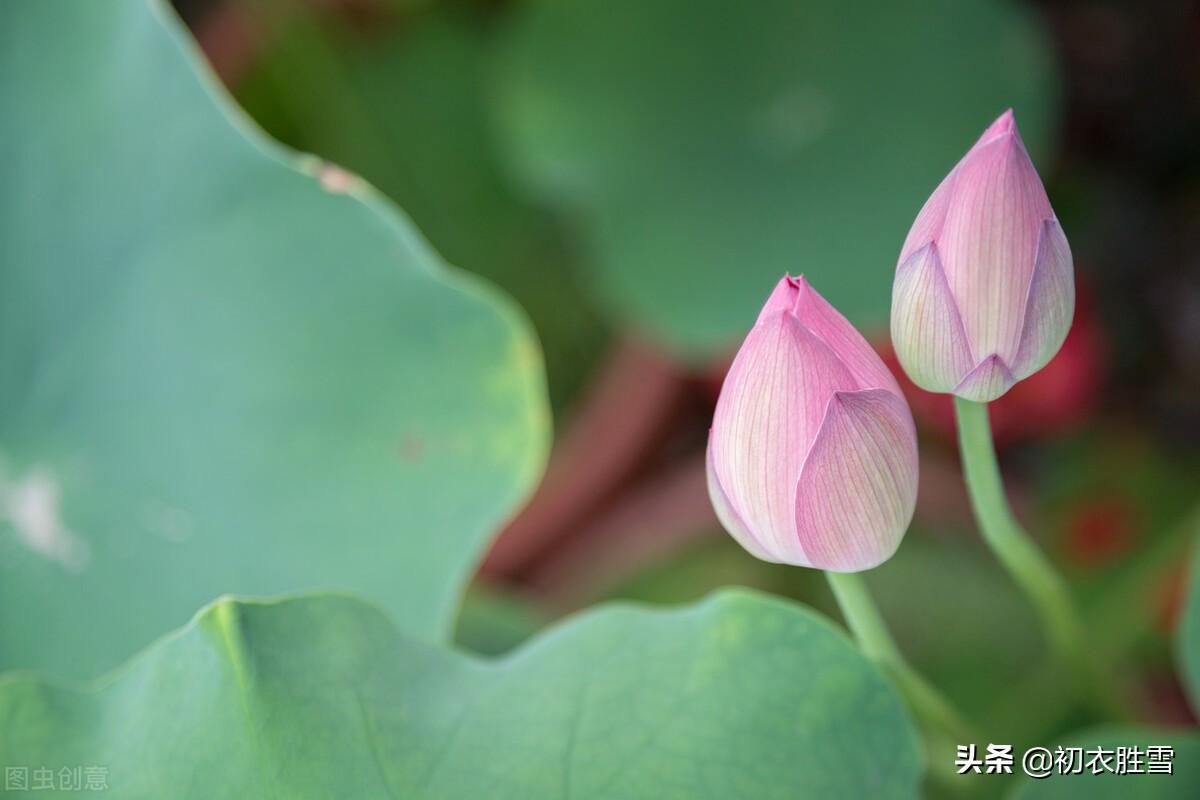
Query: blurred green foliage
pixel 406 108
pixel 696 151
pixel 1189 630
pixel 708 147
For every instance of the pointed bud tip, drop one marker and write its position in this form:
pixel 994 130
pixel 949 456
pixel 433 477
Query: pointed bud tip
pixel 783 297
pixel 1005 126
pixel 794 282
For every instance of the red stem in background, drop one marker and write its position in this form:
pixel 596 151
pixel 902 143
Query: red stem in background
pixel 623 418
pixel 657 517
pixel 231 40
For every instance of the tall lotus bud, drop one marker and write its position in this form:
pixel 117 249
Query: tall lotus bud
pixel 812 456
pixel 984 289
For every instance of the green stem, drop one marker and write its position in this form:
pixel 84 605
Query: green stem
pixel 871 633
pixel 1012 546
pixel 1054 690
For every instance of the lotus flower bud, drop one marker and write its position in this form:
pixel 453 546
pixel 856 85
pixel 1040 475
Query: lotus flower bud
pixel 984 289
pixel 812 456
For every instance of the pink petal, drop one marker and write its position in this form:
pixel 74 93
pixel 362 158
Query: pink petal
pixel 990 379
pixel 843 338
pixel 1050 303
pixel 988 241
pixel 769 411
pixel 858 487
pixel 932 217
pixel 927 331
pixel 727 514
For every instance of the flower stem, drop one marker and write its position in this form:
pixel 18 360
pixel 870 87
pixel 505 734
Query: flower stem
pixel 1014 548
pixel 935 712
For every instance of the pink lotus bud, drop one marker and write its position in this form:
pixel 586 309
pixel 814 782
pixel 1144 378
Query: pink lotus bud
pixel 984 289
pixel 812 456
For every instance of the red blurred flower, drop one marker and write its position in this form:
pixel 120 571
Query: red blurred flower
pixel 1099 529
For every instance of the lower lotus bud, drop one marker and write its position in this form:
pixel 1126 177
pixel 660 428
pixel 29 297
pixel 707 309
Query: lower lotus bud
pixel 812 456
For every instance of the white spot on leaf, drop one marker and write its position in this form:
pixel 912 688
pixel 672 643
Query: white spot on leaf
pixel 336 180
pixel 32 504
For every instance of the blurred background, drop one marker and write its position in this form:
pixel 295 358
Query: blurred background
pixel 639 173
